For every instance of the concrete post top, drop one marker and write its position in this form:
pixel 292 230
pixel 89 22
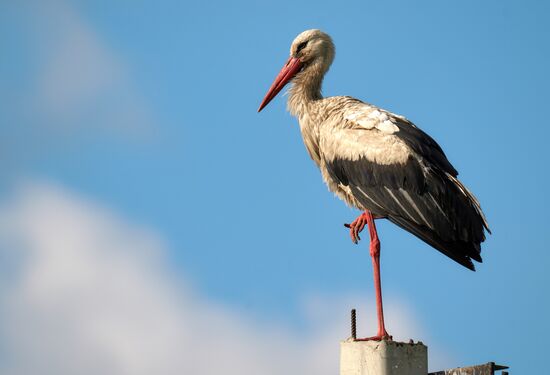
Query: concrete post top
pixel 383 358
pixel 384 343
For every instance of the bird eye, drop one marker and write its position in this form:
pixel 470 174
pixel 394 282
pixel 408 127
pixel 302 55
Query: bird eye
pixel 301 46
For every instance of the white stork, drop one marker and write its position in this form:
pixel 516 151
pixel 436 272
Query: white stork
pixel 380 163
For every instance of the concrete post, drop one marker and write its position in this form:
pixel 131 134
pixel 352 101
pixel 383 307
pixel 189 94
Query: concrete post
pixel 383 358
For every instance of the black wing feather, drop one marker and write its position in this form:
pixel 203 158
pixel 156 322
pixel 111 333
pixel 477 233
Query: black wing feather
pixel 423 144
pixel 421 196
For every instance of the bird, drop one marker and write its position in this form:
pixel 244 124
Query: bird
pixel 378 162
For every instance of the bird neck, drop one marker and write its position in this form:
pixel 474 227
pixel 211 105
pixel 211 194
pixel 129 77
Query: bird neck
pixel 305 89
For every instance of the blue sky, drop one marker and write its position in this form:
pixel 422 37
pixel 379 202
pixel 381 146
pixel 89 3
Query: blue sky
pixel 146 112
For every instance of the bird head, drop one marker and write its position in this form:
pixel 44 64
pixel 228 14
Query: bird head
pixel 310 51
pixel 313 47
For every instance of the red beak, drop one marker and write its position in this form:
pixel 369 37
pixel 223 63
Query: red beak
pixel 292 66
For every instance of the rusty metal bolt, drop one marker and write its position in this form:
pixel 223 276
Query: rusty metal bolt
pixel 353 324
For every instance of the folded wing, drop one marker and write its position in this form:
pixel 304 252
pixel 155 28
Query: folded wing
pixel 397 171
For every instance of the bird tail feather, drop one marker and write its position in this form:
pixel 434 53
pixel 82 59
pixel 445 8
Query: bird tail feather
pixel 461 252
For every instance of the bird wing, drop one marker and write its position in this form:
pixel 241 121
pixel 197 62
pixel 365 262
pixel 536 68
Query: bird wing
pixel 397 171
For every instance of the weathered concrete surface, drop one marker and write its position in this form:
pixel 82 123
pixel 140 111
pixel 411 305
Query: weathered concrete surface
pixel 383 358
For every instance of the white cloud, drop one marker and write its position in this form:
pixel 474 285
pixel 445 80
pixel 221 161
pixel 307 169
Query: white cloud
pixel 77 67
pixel 85 292
pixel 78 85
pixel 82 81
pixel 68 88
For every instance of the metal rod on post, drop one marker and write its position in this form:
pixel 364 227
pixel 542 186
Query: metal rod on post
pixel 353 325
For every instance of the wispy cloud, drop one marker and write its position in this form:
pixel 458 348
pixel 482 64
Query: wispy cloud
pixel 81 82
pixel 65 86
pixel 84 291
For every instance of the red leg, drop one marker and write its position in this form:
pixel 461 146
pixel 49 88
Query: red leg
pixel 375 254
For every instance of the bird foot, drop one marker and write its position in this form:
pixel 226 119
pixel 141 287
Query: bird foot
pixel 356 227
pixel 381 336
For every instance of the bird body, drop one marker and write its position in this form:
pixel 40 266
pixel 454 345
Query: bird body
pixel 379 162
